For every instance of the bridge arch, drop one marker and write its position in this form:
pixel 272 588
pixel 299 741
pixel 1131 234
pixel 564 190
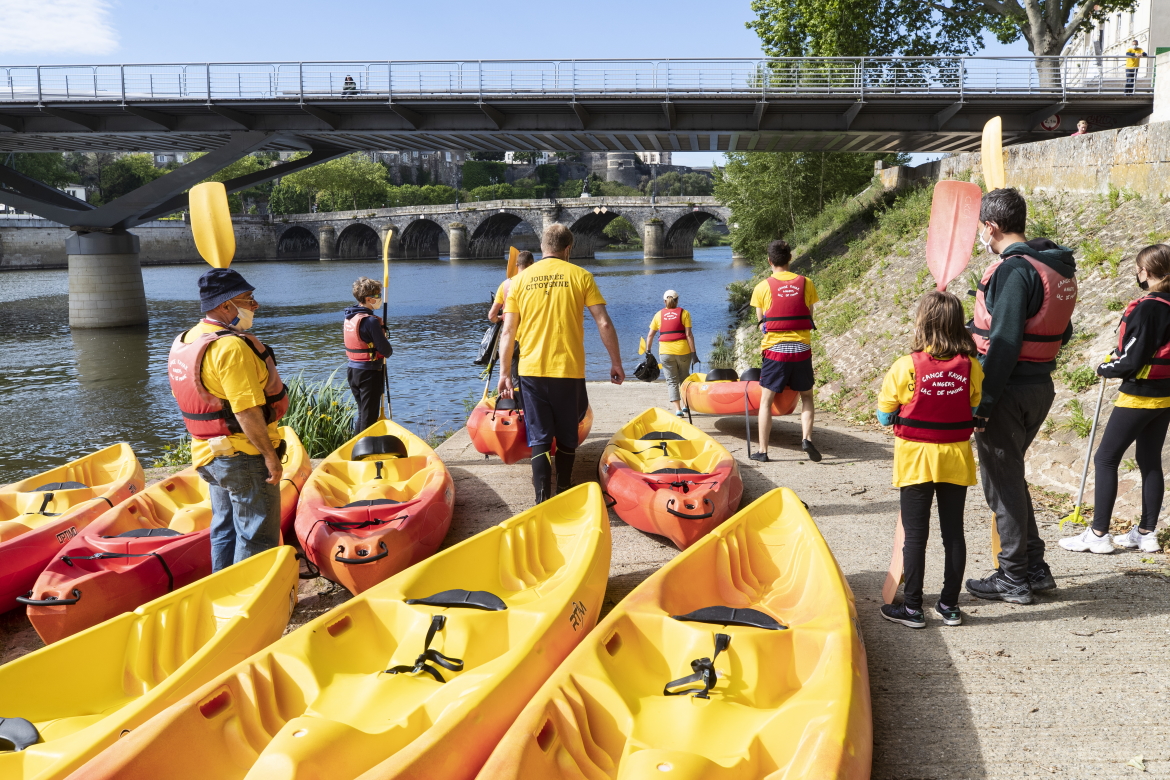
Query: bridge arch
pixel 297 243
pixel 680 236
pixel 358 241
pixel 422 239
pixel 588 235
pixel 492 237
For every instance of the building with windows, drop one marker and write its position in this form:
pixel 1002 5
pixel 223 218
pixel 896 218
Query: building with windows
pixel 1148 23
pixel 654 158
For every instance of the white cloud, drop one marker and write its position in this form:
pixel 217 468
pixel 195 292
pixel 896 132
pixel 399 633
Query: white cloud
pixel 56 26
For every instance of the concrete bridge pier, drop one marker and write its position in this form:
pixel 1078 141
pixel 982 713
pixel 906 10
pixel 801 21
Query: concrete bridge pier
pixel 105 281
pixel 327 240
pixel 395 241
pixel 460 247
pixel 654 240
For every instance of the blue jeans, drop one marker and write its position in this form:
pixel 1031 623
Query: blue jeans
pixel 245 509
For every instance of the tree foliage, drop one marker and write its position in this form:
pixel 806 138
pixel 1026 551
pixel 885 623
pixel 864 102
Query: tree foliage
pixel 241 167
pixel 351 182
pixel 480 173
pixel 126 174
pixel 621 231
pixel 47 167
pixel 854 28
pixel 674 183
pixel 770 194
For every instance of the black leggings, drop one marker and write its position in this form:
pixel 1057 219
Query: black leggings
pixel 1148 428
pixel 915 504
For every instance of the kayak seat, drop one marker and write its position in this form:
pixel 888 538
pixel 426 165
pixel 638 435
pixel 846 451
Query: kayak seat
pixel 722 375
pixel 141 532
pixel 469 599
pixel 676 471
pixel 378 446
pixel 730 616
pixel 751 375
pixel 370 502
pixel 17 733
pixel 508 404
pixel 58 486
pixel 662 436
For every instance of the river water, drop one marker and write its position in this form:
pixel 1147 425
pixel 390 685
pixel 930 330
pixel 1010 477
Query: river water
pixel 64 393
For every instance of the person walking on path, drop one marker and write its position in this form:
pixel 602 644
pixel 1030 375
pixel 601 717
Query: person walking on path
pixel 523 260
pixel 1141 412
pixel 231 397
pixel 676 350
pixel 784 305
pixel 928 396
pixel 1023 315
pixel 545 309
pixel 1133 60
pixel 366 349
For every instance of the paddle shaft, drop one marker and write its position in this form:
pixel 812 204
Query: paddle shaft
pixel 1089 451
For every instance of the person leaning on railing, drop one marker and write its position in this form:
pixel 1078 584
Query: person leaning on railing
pixel 1133 60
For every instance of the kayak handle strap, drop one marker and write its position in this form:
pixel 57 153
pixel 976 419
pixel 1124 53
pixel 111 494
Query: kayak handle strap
pixel 69 559
pixel 705 675
pixel 29 601
pixel 364 559
pixel 428 654
pixel 311 570
pixel 691 517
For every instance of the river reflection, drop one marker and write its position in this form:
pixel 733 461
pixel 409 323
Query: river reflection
pixel 64 393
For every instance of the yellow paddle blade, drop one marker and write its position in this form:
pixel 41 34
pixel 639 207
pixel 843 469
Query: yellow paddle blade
pixel 513 255
pixel 386 261
pixel 642 346
pixel 211 224
pixel 992 154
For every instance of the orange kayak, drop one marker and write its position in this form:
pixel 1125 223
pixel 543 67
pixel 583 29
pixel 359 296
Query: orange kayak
pixel 722 391
pixel 496 427
pixel 379 503
pixel 665 476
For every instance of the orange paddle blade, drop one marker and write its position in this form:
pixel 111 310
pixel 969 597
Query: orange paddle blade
pixel 991 153
pixel 513 254
pixel 954 223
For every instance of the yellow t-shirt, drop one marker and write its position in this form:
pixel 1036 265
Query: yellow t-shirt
pixel 231 370
pixel 916 462
pixel 680 347
pixel 551 296
pixel 1133 60
pixel 762 299
pixel 500 292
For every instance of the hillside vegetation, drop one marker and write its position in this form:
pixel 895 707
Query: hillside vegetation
pixel 866 256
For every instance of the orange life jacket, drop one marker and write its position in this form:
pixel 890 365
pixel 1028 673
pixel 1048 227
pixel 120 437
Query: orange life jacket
pixel 1042 332
pixel 356 348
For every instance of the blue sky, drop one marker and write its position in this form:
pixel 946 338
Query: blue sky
pixel 43 32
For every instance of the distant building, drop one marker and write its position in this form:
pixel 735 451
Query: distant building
pixel 423 167
pixel 1148 23
pixel 167 158
pixel 542 158
pixel 655 158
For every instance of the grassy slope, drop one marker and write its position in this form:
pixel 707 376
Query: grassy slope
pixel 867 259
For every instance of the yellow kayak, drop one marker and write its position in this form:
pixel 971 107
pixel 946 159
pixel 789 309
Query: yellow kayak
pixel 40 514
pixel 417 677
pixel 78 695
pixel 741 658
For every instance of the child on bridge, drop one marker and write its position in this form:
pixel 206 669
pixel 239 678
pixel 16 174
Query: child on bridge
pixel 928 397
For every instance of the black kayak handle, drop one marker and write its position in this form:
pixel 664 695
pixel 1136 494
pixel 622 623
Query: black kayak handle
pixel 691 517
pixel 29 601
pixel 366 559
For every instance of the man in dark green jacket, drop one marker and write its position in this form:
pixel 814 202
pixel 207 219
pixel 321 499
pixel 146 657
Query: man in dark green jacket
pixel 1023 315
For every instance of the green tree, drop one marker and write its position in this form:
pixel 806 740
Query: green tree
pixel 47 167
pixel 124 175
pixel 242 167
pixel 479 173
pixel 351 182
pixel 286 199
pixel 674 183
pixel 854 28
pixel 621 231
pixel 769 194
pixel 413 195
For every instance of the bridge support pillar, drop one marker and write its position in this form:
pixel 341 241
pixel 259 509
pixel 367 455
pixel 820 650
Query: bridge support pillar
pixel 327 239
pixel 460 249
pixel 105 281
pixel 395 241
pixel 551 215
pixel 654 240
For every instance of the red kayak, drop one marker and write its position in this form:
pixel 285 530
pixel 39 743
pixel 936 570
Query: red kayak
pixel 39 515
pixel 379 503
pixel 143 548
pixel 496 427
pixel 722 391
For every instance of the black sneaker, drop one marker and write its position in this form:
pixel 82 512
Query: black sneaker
pixel 761 457
pixel 951 616
pixel 999 587
pixel 1040 577
pixel 811 449
pixel 907 617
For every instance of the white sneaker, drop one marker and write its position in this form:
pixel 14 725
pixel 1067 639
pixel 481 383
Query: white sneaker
pixel 1144 542
pixel 1088 542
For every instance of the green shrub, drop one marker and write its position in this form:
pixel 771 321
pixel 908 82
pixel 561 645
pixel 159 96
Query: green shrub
pixel 722 354
pixel 1115 305
pixel 1078 422
pixel 1079 379
pixel 1094 255
pixel 842 317
pixel 483 173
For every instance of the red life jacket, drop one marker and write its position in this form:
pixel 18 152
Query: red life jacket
pixel 671 326
pixel 205 415
pixel 788 310
pixel 940 411
pixel 357 348
pixel 1044 331
pixel 1160 363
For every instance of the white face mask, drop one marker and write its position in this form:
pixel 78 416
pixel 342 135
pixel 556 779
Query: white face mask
pixel 985 241
pixel 243 319
pixel 377 302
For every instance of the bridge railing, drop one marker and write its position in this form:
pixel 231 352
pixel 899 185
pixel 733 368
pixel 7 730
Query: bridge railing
pixel 572 79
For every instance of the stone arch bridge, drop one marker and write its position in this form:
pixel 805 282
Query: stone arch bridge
pixel 485 229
